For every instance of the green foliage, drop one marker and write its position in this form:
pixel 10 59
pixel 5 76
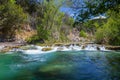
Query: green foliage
pixel 63 37
pixel 102 6
pixel 103 36
pixel 89 26
pixel 12 1
pixel 67 20
pixel 82 34
pixel 42 33
pixel 33 39
pixel 42 15
pixel 109 32
pixel 93 8
pixel 29 6
pixel 11 16
pixel 3 1
pixel 51 20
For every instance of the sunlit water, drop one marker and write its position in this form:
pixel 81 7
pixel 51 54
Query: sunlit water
pixel 61 65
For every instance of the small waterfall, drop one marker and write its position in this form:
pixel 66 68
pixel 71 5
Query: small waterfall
pixel 94 47
pixel 91 47
pixel 75 47
pixel 39 49
pixel 1 47
pixel 102 48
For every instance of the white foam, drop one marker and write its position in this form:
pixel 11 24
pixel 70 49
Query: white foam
pixel 1 47
pixel 31 51
pixel 38 49
pixel 102 48
pixel 91 48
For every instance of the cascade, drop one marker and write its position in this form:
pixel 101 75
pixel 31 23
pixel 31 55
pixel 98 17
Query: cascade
pixel 38 49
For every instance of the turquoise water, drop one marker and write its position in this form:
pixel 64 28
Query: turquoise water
pixel 69 65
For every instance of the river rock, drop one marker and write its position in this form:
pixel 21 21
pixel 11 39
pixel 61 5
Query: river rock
pixel 46 49
pixel 60 49
pixel 31 47
pixel 113 47
pixel 59 44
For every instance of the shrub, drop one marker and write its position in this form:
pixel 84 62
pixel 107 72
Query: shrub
pixel 82 34
pixel 11 17
pixel 33 39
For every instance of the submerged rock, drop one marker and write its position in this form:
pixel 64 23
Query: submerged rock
pixel 56 68
pixel 46 49
pixel 98 48
pixel 52 68
pixel 60 49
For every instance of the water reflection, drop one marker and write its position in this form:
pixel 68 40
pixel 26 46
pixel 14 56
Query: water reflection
pixel 113 66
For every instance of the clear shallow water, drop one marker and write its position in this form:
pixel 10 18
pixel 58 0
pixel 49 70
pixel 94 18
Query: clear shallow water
pixel 67 65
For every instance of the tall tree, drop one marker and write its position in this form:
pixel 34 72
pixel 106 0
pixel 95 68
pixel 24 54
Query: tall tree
pixel 11 16
pixel 97 7
pixel 49 18
pixel 29 6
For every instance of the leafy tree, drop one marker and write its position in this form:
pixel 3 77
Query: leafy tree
pixel 50 21
pixel 85 9
pixel 11 16
pixel 29 6
pixel 109 32
pixel 102 6
pixel 3 1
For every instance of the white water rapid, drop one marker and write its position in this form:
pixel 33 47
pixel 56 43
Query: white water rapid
pixel 39 49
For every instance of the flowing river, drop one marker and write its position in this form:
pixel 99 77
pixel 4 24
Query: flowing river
pixel 61 65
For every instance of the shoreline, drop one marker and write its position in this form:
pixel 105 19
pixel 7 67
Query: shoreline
pixel 10 44
pixel 6 46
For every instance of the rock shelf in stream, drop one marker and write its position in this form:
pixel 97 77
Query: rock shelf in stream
pixel 33 49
